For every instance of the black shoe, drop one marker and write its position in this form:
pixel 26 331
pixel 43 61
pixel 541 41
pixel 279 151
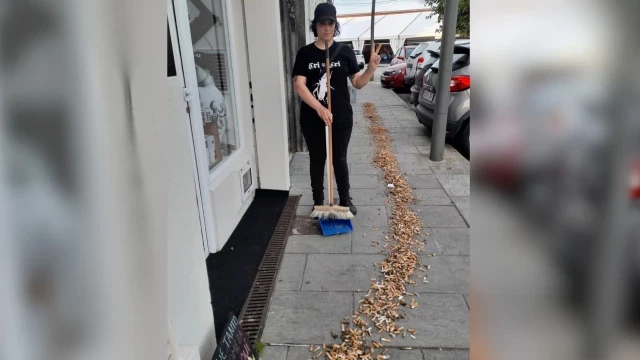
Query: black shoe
pixel 318 202
pixel 347 203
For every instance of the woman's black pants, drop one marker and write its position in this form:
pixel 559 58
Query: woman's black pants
pixel 314 135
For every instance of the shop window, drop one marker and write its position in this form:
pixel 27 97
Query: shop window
pixel 209 35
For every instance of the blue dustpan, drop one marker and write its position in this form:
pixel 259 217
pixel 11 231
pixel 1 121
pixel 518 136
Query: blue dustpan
pixel 334 227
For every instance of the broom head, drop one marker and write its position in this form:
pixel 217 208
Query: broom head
pixel 331 212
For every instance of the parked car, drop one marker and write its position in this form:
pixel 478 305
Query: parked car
pixel 359 58
pixel 415 89
pixel 460 104
pixel 420 55
pixel 393 76
pixel 403 54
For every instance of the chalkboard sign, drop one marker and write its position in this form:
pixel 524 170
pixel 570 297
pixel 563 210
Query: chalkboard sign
pixel 234 344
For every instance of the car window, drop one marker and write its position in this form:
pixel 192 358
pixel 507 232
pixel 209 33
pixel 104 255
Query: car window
pixel 357 52
pixel 418 50
pixel 410 49
pixel 459 61
pixel 398 52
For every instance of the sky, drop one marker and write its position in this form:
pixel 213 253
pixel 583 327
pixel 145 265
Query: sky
pixel 360 6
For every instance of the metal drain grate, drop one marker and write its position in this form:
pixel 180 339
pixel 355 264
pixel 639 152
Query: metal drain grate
pixel 255 308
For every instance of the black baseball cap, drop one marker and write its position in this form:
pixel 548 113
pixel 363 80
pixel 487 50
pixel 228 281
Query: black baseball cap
pixel 325 11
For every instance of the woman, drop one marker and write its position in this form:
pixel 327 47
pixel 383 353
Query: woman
pixel 309 76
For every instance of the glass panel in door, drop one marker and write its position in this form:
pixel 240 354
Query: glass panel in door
pixel 209 35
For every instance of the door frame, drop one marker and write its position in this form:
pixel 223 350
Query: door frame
pixel 200 164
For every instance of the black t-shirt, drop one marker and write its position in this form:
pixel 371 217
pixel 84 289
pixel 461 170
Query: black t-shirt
pixel 310 63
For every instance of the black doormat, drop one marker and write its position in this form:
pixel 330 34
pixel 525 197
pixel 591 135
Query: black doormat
pixel 233 270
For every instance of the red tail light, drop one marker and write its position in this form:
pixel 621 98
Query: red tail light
pixel 460 83
pixel 634 182
pixel 420 60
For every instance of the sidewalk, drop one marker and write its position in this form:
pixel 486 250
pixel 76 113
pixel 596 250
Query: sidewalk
pixel 320 278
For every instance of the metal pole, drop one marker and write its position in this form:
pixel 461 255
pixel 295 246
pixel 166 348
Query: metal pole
pixel 373 17
pixel 444 78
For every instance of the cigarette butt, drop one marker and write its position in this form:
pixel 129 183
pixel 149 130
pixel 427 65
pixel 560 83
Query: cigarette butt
pixel 385 340
pixel 413 337
pixel 319 354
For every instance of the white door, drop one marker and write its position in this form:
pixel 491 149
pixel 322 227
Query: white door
pixel 185 174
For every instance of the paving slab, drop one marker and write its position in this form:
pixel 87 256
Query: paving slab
pixel 392 124
pixel 360 141
pixel 452 169
pixel 456 185
pixel 431 197
pixel 415 168
pixel 440 216
pixel 275 353
pixel 399 137
pixel 463 203
pixel 360 158
pixel 318 244
pixel 448 274
pixel 441 321
pixel 332 272
pixel 363 229
pixel 291 270
pixel 398 129
pixel 361 149
pixel 400 149
pixel 435 354
pixel 301 353
pixel 305 225
pixel 423 182
pixel 359 136
pixel 364 169
pixel 421 140
pixel 364 182
pixel 306 317
pixel 369 217
pixel 399 354
pixel 306 199
pixel 413 158
pixel 304 210
pixel 368 197
pixel 451 241
pixel 299 170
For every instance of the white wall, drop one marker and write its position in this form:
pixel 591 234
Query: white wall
pixel 189 302
pixel 189 310
pixel 266 60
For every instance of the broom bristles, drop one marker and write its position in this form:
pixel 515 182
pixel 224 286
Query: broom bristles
pixel 331 212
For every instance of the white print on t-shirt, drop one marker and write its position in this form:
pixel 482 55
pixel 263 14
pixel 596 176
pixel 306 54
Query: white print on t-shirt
pixel 318 65
pixel 320 88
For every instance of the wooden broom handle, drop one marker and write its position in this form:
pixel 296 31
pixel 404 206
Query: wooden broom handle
pixel 330 132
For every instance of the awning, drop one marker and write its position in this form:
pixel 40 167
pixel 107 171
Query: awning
pixel 387 27
pixel 352 28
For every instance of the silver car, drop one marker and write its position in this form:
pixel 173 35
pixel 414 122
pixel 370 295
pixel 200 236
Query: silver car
pixel 459 113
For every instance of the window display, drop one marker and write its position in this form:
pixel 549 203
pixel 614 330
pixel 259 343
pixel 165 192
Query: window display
pixel 213 70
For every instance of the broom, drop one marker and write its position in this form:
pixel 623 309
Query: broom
pixel 330 211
